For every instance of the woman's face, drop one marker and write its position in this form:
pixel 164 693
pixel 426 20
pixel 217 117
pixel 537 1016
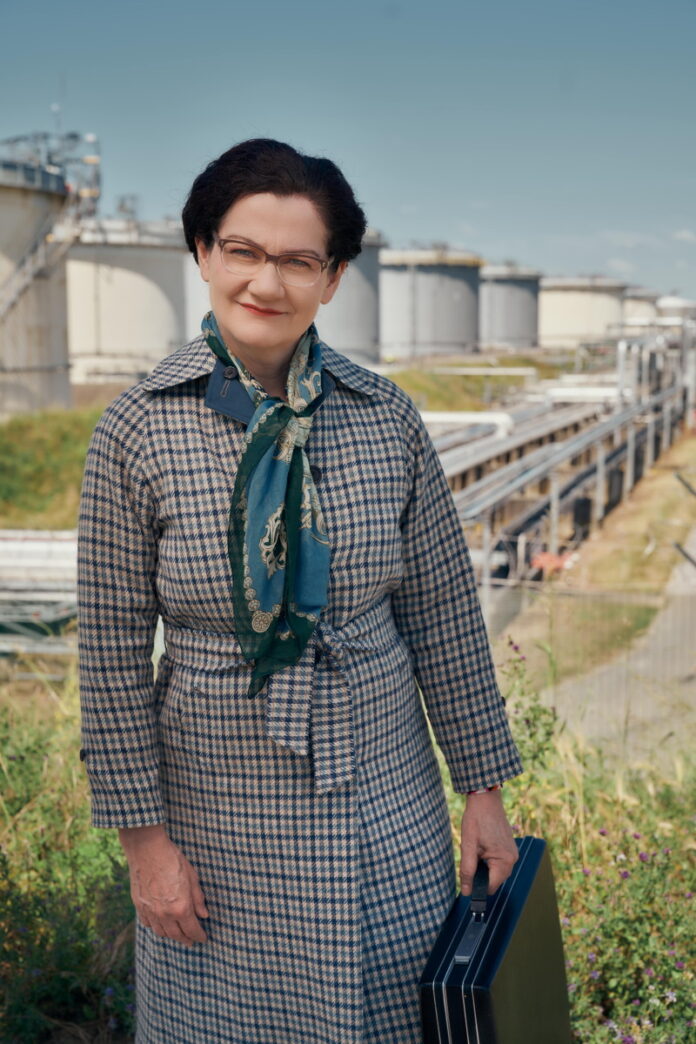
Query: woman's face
pixel 259 315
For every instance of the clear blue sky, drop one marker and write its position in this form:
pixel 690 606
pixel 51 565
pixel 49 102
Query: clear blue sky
pixel 559 134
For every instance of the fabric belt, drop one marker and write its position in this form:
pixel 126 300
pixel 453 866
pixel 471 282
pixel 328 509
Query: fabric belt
pixel 309 706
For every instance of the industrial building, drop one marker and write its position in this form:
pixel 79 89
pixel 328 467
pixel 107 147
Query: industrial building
pixel 350 323
pixel 509 307
pixel 429 302
pixel 134 294
pixel 579 310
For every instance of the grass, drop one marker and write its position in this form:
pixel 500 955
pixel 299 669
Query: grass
pixel 41 460
pixel 441 391
pixel 621 842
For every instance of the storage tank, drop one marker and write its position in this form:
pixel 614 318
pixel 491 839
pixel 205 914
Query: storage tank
pixel 134 296
pixel 639 304
pixel 579 310
pixel 350 322
pixel 509 306
pixel 429 302
pixel 33 339
pixel 672 306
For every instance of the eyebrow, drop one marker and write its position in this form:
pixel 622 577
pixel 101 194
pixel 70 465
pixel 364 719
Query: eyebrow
pixel 252 242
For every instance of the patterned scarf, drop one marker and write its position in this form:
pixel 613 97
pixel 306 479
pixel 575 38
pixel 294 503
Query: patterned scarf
pixel 276 539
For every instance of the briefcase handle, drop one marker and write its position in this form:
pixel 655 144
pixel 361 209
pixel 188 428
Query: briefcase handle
pixel 477 907
pixel 479 890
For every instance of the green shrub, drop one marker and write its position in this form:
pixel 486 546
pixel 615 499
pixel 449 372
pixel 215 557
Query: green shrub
pixel 66 947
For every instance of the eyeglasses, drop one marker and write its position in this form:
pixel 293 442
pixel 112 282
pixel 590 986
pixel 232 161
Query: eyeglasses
pixel 242 258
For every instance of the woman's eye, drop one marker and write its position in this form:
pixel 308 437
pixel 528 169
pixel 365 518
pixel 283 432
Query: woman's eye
pixel 241 252
pixel 297 262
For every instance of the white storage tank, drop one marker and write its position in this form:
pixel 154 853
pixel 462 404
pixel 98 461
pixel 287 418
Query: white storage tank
pixel 33 339
pixel 350 322
pixel 134 296
pixel 429 302
pixel 509 306
pixel 639 305
pixel 671 306
pixel 579 310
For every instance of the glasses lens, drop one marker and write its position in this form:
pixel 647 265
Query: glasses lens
pixel 240 257
pixel 299 270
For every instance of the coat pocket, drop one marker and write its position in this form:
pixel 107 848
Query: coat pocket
pixel 206 715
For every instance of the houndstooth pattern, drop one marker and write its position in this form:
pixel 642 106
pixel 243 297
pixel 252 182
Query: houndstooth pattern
pixel 327 874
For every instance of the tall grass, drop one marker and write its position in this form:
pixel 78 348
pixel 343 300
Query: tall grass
pixel 42 456
pixel 621 841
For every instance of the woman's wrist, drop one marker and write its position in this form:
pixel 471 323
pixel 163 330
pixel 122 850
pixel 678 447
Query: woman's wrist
pixel 485 790
pixel 132 838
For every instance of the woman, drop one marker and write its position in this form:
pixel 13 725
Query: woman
pixel 276 791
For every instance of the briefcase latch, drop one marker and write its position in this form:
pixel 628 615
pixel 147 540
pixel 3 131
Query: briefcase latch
pixel 475 928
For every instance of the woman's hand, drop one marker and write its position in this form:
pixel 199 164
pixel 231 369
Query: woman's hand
pixel 164 886
pixel 486 834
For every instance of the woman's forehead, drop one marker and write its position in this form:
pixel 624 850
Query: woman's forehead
pixel 284 222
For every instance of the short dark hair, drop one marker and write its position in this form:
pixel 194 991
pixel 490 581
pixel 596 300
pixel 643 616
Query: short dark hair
pixel 265 165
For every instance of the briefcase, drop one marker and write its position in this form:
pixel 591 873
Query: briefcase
pixel 496 974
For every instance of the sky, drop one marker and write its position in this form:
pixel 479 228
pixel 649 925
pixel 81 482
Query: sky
pixel 557 134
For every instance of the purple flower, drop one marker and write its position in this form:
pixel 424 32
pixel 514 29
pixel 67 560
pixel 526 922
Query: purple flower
pixel 130 1007
pixel 586 872
pixel 594 974
pixel 666 851
pixel 637 836
pixel 592 957
pixel 636 1001
pixel 649 972
pixel 688 895
pixel 679 965
pixel 628 1039
pixel 644 857
pixel 624 874
pixel 565 921
pixel 109 991
pixel 603 832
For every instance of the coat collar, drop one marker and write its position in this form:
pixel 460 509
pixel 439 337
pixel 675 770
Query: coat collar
pixel 195 360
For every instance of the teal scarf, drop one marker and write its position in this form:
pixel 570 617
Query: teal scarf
pixel 276 538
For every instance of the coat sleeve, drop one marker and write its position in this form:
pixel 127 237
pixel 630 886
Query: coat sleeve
pixel 117 616
pixel 438 614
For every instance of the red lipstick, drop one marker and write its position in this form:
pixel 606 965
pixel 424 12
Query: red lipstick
pixel 260 311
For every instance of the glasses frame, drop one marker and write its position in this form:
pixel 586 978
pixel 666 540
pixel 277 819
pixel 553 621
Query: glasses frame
pixel 275 259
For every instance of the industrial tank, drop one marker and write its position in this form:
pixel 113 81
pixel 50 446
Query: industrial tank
pixel 350 322
pixel 428 302
pixel 575 311
pixel 639 305
pixel 509 306
pixel 134 296
pixel 33 341
pixel 673 307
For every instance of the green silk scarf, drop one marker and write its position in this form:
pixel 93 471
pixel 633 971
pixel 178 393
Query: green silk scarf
pixel 276 539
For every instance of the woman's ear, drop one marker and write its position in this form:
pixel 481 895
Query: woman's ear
pixel 333 282
pixel 203 255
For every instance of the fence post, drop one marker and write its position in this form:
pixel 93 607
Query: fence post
pixel 600 493
pixel 630 460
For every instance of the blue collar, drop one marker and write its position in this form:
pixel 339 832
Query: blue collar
pixel 227 395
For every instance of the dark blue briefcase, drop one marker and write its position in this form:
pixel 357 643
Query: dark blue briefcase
pixel 496 974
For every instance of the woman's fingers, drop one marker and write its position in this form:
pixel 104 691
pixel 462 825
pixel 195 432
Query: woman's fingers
pixel 164 886
pixel 200 909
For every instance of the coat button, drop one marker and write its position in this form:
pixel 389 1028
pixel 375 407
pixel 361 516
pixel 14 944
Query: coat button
pixel 315 473
pixel 83 754
pixel 230 373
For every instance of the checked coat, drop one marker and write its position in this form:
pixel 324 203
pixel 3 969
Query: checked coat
pixel 314 813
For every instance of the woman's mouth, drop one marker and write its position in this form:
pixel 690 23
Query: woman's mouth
pixel 259 311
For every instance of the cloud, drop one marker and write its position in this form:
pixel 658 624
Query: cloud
pixel 684 235
pixel 620 266
pixel 630 240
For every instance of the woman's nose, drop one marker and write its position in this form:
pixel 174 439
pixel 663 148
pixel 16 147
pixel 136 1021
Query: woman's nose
pixel 267 281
